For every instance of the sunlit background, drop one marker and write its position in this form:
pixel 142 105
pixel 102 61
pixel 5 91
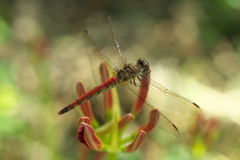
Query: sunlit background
pixel 193 49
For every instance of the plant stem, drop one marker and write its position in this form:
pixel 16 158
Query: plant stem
pixel 112 156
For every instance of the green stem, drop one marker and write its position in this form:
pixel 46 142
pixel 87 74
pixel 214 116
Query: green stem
pixel 112 156
pixel 129 138
pixel 115 138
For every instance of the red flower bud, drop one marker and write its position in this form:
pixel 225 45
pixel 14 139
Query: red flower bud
pixel 108 95
pixel 126 119
pixel 87 136
pixel 86 106
pixel 137 142
pixel 152 122
pixel 142 95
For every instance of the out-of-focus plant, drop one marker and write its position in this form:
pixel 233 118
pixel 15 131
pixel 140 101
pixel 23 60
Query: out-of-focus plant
pixel 204 134
pixel 107 139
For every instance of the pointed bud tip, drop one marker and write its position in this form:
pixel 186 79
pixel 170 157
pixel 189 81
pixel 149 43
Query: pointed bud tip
pixel 137 142
pixel 125 120
pixel 84 120
pixel 80 89
pixel 154 116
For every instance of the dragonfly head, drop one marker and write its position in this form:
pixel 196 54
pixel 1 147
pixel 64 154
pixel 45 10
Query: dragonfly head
pixel 143 66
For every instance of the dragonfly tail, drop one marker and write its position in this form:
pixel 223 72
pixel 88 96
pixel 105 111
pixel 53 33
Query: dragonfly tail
pixel 65 109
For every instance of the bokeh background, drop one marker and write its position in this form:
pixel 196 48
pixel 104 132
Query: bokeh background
pixel 193 49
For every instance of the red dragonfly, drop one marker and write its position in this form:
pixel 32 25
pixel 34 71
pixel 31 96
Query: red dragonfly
pixel 128 76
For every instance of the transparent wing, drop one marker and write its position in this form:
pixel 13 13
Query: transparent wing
pixel 164 123
pixel 100 28
pixel 160 96
pixel 95 56
pixel 117 55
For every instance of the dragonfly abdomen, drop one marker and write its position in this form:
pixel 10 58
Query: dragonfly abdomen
pixel 109 84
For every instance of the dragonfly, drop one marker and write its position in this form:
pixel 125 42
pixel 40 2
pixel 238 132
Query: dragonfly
pixel 129 76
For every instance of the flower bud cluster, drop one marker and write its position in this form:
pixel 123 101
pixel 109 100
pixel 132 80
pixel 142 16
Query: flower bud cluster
pixel 108 138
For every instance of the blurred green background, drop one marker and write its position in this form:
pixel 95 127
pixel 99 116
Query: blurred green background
pixel 193 49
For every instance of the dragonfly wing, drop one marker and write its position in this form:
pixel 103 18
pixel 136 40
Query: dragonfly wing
pixel 132 95
pixel 95 56
pixel 116 55
pixel 100 27
pixel 160 96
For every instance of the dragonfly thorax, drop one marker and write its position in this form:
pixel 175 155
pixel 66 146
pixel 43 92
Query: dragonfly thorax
pixel 131 71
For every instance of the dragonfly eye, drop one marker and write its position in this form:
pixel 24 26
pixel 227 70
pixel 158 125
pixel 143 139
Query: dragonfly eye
pixel 143 65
